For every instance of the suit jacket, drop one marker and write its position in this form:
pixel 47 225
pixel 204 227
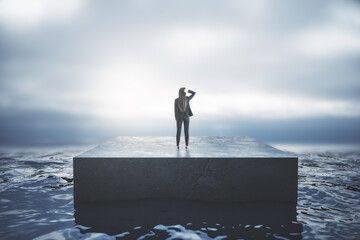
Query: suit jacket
pixel 188 113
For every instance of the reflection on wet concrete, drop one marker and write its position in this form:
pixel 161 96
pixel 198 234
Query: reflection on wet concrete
pixel 178 219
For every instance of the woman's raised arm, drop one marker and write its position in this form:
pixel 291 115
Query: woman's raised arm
pixel 192 94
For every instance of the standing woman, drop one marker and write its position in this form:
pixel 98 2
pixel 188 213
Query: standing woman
pixel 182 114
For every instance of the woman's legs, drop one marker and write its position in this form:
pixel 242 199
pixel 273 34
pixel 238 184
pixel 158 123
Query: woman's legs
pixel 178 131
pixel 186 130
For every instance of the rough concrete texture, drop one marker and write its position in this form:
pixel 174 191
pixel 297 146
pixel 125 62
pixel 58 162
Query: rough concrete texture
pixel 222 169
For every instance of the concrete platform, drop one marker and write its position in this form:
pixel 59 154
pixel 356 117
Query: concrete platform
pixel 220 169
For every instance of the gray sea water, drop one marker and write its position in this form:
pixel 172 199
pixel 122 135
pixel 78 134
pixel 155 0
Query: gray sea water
pixel 36 202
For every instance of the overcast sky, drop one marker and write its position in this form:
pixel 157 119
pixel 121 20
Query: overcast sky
pixel 84 71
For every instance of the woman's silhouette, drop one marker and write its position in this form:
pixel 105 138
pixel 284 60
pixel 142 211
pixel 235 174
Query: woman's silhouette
pixel 182 114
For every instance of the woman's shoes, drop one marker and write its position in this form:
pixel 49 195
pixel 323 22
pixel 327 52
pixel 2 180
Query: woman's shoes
pixel 186 147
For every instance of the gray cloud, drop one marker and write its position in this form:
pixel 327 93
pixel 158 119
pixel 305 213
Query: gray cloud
pixel 105 61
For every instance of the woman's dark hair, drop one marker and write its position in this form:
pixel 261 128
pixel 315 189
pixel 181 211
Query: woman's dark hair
pixel 182 100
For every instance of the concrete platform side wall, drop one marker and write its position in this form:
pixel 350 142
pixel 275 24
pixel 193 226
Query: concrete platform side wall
pixel 207 179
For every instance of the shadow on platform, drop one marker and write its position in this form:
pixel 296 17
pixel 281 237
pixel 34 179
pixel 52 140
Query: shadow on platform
pixel 160 219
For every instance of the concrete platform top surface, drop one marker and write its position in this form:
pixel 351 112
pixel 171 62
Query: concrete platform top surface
pixel 199 147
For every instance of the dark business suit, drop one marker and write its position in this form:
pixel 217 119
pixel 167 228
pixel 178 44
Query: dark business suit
pixel 183 117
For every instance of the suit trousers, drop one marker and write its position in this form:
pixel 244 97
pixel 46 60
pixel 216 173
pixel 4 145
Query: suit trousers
pixel 186 130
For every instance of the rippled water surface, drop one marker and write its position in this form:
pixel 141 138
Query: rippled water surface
pixel 36 202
